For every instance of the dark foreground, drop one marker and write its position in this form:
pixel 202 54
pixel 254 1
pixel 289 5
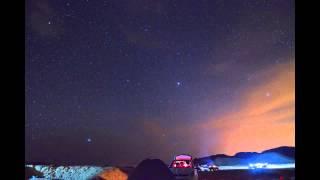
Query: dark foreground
pixel 150 170
pixel 268 174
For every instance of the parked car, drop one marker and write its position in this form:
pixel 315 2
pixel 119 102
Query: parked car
pixel 213 167
pixel 206 167
pixel 182 167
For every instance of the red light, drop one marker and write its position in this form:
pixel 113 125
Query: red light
pixel 183 157
pixel 181 164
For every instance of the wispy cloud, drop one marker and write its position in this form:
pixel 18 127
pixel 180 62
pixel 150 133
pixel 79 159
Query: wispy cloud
pixel 265 116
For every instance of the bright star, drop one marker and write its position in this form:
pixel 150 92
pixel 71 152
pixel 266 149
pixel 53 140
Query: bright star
pixel 178 83
pixel 89 140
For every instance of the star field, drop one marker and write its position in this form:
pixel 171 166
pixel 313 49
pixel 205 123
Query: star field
pixel 119 81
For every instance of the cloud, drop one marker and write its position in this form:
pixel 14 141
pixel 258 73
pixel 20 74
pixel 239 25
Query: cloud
pixel 264 117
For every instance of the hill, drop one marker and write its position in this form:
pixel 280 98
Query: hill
pixel 279 155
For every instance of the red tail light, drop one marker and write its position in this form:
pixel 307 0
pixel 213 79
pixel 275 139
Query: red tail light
pixel 181 164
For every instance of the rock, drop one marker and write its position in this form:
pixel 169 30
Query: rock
pixel 112 174
pixel 151 169
pixel 31 172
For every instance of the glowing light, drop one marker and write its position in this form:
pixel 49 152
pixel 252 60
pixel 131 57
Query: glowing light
pixel 183 157
pixel 270 166
pixel 258 165
pixel 258 115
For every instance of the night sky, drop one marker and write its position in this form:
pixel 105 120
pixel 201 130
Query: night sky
pixel 115 82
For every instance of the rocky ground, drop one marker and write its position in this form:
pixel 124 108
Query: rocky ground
pixel 75 172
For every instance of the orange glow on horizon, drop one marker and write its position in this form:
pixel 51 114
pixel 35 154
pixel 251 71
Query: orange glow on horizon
pixel 265 117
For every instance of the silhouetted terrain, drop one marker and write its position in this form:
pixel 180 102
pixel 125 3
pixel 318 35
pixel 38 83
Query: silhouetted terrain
pixel 153 169
pixel 280 155
pixel 269 174
pixel 157 169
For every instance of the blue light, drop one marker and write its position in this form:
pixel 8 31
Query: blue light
pixel 258 165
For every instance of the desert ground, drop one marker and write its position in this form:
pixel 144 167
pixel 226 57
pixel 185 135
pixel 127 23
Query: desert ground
pixel 268 174
pixel 112 173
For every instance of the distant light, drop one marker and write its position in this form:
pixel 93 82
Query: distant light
pixel 269 166
pixel 89 140
pixel 258 165
pixel 49 22
pixel 178 83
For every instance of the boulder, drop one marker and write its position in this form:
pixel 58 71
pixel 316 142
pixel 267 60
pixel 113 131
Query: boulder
pixel 154 169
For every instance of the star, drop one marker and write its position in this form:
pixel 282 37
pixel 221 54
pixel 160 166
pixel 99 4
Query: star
pixel 105 80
